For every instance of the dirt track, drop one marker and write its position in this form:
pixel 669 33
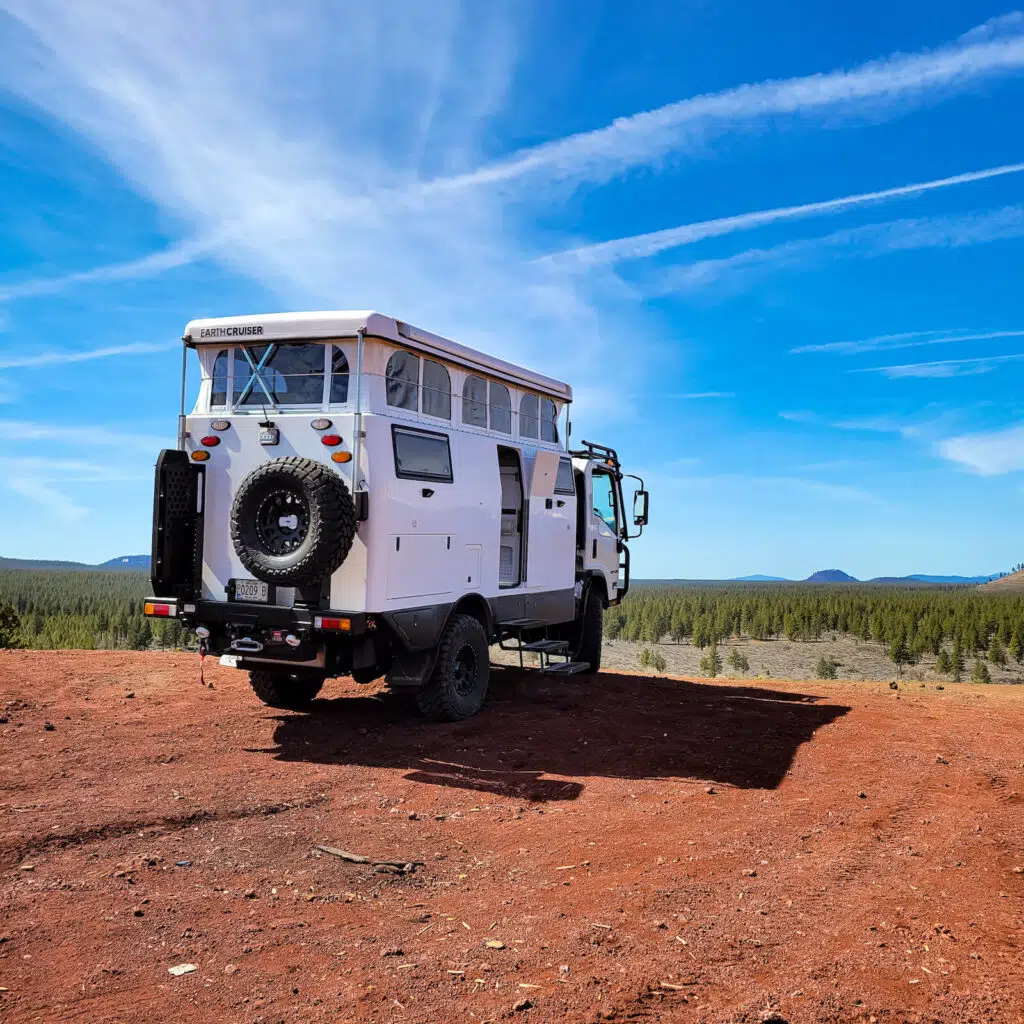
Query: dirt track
pixel 641 849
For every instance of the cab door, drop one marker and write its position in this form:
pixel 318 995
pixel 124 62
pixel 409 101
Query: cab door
pixel 602 518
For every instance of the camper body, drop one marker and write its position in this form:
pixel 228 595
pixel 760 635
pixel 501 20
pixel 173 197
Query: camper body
pixel 351 495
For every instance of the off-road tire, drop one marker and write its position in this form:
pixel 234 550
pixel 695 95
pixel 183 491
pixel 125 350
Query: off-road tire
pixel 456 689
pixel 289 690
pixel 589 630
pixel 325 501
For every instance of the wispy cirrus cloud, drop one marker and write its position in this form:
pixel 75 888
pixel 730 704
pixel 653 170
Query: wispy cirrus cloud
pixel 881 88
pixel 635 247
pixel 150 265
pixel 85 436
pixel 989 453
pixel 866 242
pixel 906 339
pixel 943 368
pixel 58 504
pixel 59 358
pixel 706 394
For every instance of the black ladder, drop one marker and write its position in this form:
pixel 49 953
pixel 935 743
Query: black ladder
pixel 545 649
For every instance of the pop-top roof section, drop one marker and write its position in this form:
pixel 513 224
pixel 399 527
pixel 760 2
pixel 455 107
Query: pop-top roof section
pixel 348 323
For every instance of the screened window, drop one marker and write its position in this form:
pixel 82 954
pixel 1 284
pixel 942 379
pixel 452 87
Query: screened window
pixel 221 370
pixel 437 390
pixel 339 376
pixel 403 377
pixel 501 408
pixel 279 375
pixel 548 420
pixel 474 402
pixel 528 418
pixel 420 455
pixel 564 481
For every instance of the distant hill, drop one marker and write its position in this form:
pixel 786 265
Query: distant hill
pixel 1013 581
pixel 831 576
pixel 129 563
pixel 757 578
pixel 919 578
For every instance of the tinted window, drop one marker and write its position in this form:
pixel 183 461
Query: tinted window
pixel 474 402
pixel 528 416
pixel 437 390
pixel 403 377
pixel 339 376
pixel 221 367
pixel 289 375
pixel 501 408
pixel 564 482
pixel 548 420
pixel 604 498
pixel 422 456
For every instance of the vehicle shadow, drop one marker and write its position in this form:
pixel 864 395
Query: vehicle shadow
pixel 533 726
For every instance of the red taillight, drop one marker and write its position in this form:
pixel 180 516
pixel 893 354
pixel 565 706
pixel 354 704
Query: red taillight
pixel 325 622
pixel 163 611
pixel 209 441
pixel 330 440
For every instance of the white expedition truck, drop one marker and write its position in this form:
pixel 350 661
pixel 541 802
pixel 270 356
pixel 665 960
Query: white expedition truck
pixel 352 495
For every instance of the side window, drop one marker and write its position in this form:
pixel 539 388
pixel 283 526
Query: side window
pixel 437 390
pixel 290 375
pixel 339 376
pixel 403 378
pixel 474 402
pixel 221 369
pixel 528 416
pixel 564 481
pixel 501 408
pixel 548 420
pixel 420 455
pixel 604 498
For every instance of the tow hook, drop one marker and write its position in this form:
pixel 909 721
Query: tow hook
pixel 247 645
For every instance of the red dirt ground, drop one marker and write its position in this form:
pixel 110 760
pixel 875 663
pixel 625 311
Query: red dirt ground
pixel 640 849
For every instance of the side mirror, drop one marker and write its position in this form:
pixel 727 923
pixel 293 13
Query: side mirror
pixel 640 507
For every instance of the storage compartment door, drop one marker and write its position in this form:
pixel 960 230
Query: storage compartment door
pixel 420 565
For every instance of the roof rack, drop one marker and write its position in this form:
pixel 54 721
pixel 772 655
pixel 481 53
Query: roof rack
pixel 601 452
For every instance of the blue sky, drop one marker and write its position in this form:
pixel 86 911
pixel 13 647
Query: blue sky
pixel 776 249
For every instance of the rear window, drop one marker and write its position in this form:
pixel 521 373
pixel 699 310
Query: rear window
pixel 564 482
pixel 421 455
pixel 279 375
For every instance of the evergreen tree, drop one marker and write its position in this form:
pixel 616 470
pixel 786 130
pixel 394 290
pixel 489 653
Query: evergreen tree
pixel 981 673
pixel 996 651
pixel 10 626
pixel 711 663
pixel 943 663
pixel 957 663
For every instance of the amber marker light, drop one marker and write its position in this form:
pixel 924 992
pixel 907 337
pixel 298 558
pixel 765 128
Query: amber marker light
pixel 162 611
pixel 341 457
pixel 200 456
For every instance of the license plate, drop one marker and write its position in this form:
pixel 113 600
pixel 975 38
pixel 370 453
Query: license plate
pixel 270 436
pixel 251 590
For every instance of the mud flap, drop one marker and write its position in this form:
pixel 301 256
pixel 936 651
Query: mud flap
pixel 178 498
pixel 409 671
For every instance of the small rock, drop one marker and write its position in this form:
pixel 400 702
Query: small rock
pixel 183 863
pixel 251 894
pixel 523 1004
pixel 939 687
pixel 1016 871
pixel 138 912
pixel 129 694
pixel 27 867
pixel 894 685
pixel 181 969
pixel 711 791
pixel 4 719
pixel 295 990
pixel 49 726
pixel 413 816
pixel 940 759
pixel 862 795
pixel 393 952
pixel 750 873
pixel 772 1017
pixel 494 944
pixel 231 969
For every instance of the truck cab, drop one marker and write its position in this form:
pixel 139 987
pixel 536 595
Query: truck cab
pixel 352 495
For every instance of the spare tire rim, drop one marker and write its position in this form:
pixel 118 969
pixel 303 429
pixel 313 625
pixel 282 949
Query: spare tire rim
pixel 464 670
pixel 282 521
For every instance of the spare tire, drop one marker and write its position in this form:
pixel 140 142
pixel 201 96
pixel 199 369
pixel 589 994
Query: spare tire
pixel 293 521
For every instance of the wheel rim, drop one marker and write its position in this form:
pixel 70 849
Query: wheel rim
pixel 464 671
pixel 282 521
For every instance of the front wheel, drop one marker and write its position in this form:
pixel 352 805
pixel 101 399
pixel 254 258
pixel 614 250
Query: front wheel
pixel 589 630
pixel 458 685
pixel 288 690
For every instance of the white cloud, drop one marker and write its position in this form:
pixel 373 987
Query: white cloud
pixel 636 247
pixel 59 505
pixel 707 394
pixel 990 454
pixel 882 88
pixel 81 436
pixel 58 358
pixel 907 339
pixel 943 368
pixel 867 242
pixel 53 470
pixel 177 255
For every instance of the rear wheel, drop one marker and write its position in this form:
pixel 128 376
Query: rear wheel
pixel 458 685
pixel 289 690
pixel 589 630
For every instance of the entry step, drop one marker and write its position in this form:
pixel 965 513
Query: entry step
pixel 548 646
pixel 567 668
pixel 522 623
